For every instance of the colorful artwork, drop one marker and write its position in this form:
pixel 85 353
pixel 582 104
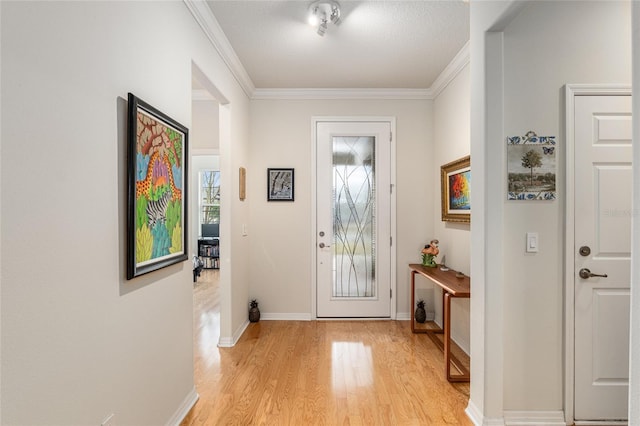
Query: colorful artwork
pixel 455 182
pixel 460 191
pixel 157 189
pixel 531 167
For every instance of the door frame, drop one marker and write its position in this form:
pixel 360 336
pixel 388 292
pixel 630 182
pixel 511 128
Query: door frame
pixel 571 91
pixel 314 219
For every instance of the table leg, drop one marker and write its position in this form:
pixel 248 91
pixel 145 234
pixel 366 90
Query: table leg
pixel 446 325
pixel 448 356
pixel 413 300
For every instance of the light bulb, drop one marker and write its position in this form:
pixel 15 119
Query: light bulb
pixel 313 18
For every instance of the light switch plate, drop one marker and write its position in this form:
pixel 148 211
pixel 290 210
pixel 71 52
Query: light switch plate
pixel 532 242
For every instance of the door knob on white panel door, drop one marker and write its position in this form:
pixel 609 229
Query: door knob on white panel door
pixel 323 245
pixel 586 273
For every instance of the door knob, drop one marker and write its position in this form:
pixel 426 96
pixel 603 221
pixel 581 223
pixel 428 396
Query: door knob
pixel 323 245
pixel 586 273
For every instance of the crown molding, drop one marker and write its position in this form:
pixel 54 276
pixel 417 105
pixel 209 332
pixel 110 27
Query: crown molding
pixel 209 24
pixel 452 70
pixel 318 94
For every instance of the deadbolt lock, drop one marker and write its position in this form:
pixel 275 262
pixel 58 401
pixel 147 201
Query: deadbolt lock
pixel 584 251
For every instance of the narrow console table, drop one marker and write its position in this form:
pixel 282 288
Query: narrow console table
pixel 452 286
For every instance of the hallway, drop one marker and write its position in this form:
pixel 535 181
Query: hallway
pixel 316 372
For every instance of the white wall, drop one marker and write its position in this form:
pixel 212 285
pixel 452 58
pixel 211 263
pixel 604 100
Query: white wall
pixel 205 126
pixel 487 340
pixel 546 46
pixel 79 341
pixel 451 142
pixel 234 262
pixel 573 51
pixel 522 54
pixel 281 255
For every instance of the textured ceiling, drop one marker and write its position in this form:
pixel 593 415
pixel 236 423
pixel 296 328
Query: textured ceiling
pixel 379 44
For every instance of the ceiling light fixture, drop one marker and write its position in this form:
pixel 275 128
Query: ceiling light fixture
pixel 321 12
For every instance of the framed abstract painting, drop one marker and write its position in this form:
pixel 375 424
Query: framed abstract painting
pixel 156 189
pixel 280 184
pixel 455 184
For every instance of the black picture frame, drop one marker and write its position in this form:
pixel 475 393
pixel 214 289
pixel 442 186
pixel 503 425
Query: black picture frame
pixel 157 189
pixel 280 184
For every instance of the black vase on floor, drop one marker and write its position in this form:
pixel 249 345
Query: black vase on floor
pixel 421 314
pixel 254 312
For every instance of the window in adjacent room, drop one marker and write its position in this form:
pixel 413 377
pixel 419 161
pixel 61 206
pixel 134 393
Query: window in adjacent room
pixel 209 197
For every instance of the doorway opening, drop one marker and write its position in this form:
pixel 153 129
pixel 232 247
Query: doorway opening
pixel 208 136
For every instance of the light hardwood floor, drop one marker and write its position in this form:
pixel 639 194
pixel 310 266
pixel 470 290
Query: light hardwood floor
pixel 318 373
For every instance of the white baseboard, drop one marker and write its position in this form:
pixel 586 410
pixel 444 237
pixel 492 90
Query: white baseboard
pixel 516 418
pixel 273 316
pixel 534 418
pixel 188 403
pixel 478 419
pixel 403 316
pixel 226 342
pixel 473 413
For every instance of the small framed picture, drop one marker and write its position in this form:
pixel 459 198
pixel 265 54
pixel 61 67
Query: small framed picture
pixel 280 184
pixel 531 167
pixel 455 182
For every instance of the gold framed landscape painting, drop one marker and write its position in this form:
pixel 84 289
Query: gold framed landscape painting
pixel 455 185
pixel 157 189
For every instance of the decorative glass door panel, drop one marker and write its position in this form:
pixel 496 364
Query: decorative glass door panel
pixel 353 216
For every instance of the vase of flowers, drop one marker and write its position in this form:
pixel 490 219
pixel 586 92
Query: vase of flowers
pixel 429 253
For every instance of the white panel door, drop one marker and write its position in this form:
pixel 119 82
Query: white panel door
pixel 353 235
pixel 603 210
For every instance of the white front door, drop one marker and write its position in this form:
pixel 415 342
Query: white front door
pixel 353 218
pixel 603 182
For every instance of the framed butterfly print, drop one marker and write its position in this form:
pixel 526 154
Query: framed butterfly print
pixel 455 184
pixel 531 167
